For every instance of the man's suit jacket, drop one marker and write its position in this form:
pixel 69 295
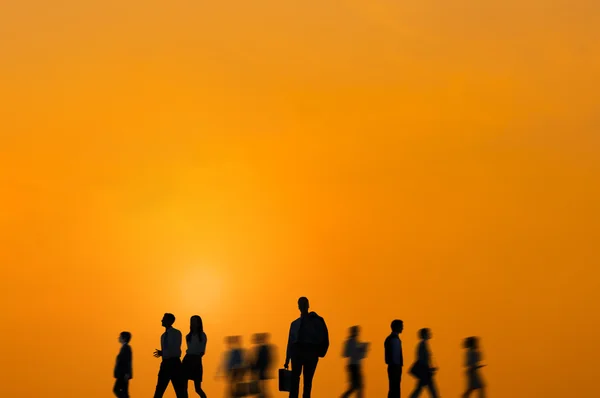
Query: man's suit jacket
pixel 124 363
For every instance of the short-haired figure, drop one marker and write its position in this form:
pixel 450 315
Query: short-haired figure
pixel 196 347
pixel 124 367
pixel 308 341
pixel 355 351
pixel 394 359
pixel 170 366
pixel 473 364
pixel 422 368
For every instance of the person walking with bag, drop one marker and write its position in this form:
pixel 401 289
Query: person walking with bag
pixel 307 342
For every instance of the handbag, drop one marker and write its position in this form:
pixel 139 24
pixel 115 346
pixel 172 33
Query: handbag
pixel 416 370
pixel 285 380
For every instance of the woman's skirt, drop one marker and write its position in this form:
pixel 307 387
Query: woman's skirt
pixel 475 381
pixel 192 367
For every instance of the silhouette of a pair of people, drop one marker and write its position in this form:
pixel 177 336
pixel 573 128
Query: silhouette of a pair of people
pixel 172 369
pixel 237 364
pixel 308 341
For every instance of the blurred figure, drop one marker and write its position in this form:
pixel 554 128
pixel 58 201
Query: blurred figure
pixel 355 351
pixel 124 367
pixel 394 359
pixel 170 366
pixel 262 362
pixel 422 368
pixel 307 342
pixel 472 362
pixel 233 365
pixel 192 362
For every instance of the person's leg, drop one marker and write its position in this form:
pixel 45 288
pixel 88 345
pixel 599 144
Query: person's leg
pixel 482 392
pixel 198 388
pixel 390 381
pixel 164 378
pixel 117 387
pixel 125 389
pixel 395 379
pixel 179 380
pixel 359 387
pixel 350 389
pixel 467 393
pixel 432 389
pixel 297 364
pixel 310 366
pixel 417 391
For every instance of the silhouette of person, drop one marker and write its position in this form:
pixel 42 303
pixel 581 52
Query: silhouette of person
pixel 124 367
pixel 170 366
pixel 192 362
pixel 262 362
pixel 308 340
pixel 394 359
pixel 472 362
pixel 355 351
pixel 233 365
pixel 422 367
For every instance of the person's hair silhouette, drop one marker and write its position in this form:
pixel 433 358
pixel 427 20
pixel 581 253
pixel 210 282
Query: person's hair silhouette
pixel 192 362
pixel 472 363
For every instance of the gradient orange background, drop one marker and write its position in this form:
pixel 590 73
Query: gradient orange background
pixel 432 160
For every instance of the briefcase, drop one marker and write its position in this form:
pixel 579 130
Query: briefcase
pixel 285 380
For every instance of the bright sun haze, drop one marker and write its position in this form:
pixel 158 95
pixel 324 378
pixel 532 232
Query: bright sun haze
pixel 435 161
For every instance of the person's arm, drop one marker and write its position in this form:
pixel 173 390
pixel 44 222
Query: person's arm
pixel 326 332
pixel 288 352
pixel 128 357
pixel 178 339
pixel 203 345
pixel 396 352
pixel 346 349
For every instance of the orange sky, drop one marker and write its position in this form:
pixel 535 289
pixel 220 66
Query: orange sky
pixel 435 161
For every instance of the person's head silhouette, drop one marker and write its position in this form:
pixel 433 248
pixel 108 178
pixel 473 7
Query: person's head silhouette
pixel 303 305
pixel 124 337
pixel 168 320
pixel 354 331
pixel 471 343
pixel 397 326
pixel 425 334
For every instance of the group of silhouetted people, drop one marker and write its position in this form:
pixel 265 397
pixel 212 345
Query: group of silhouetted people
pixel 247 371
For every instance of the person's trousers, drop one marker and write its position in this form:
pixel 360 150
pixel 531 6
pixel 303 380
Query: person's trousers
pixel 394 379
pixel 121 388
pixel 171 371
pixel 305 365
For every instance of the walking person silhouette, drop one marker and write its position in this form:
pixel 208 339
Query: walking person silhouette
pixel 233 365
pixel 170 366
pixel 307 342
pixel 422 368
pixel 262 362
pixel 192 362
pixel 394 359
pixel 472 362
pixel 355 351
pixel 124 367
